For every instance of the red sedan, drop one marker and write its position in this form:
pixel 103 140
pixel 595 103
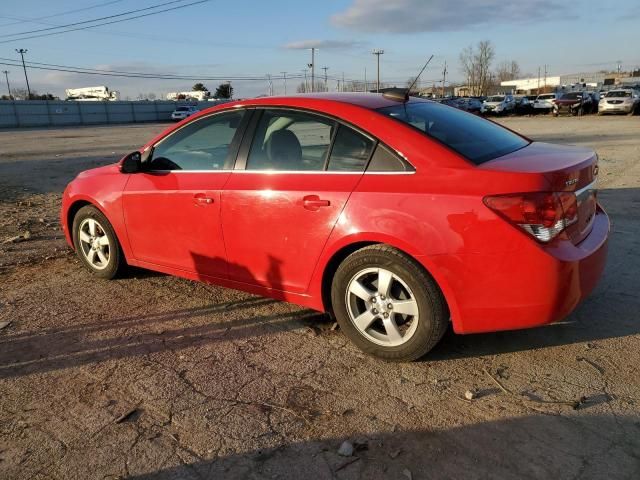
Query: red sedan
pixel 398 216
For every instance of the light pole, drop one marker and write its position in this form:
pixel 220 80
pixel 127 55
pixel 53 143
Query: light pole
pixel 284 78
pixel 305 79
pixel 6 76
pixel 325 78
pixel 22 51
pixel 377 52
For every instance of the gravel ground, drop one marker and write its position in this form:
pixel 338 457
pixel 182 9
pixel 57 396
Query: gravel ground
pixel 154 377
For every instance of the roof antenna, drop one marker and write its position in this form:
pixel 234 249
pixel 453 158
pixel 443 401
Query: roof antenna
pixel 402 94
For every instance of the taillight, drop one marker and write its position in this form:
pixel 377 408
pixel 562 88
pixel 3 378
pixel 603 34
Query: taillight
pixel 541 214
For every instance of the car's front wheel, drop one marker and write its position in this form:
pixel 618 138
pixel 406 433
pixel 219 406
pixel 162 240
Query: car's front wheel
pixel 96 243
pixel 387 304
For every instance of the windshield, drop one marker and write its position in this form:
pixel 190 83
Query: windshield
pixel 495 99
pixel 182 109
pixel 619 94
pixel 549 96
pixel 472 137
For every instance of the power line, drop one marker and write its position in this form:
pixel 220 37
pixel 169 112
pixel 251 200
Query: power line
pixel 68 68
pixel 144 75
pixel 84 22
pixel 109 23
pixel 35 20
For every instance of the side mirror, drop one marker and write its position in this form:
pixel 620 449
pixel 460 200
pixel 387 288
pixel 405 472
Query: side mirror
pixel 132 163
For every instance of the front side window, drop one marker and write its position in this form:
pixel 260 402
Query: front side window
pixel 288 140
pixel 201 145
pixel 474 138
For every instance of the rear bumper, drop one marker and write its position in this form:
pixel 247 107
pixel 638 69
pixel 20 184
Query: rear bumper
pixel 620 108
pixel 525 289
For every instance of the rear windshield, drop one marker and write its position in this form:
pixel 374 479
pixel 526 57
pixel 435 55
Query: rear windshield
pixel 572 95
pixel 495 99
pixel 548 96
pixel 473 137
pixel 182 109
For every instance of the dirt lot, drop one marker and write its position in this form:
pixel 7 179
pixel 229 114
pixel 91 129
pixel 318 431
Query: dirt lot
pixel 153 377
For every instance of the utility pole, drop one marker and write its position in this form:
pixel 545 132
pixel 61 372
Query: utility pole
pixel 325 78
pixel 270 84
pixel 6 76
pixel 444 77
pixel 312 65
pixel 343 81
pixel 284 78
pixel 365 79
pixel 377 52
pixel 305 79
pixel 545 79
pixel 538 81
pixel 22 51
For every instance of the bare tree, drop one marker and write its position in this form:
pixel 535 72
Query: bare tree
pixel 19 93
pixel 306 87
pixel 507 70
pixel 475 63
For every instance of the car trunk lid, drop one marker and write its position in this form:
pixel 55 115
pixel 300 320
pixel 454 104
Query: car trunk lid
pixel 565 169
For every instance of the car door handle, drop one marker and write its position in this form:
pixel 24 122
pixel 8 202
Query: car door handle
pixel 313 202
pixel 201 198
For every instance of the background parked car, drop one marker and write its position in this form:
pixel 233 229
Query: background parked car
pixel 181 113
pixel 575 103
pixel 523 105
pixel 498 104
pixel 544 102
pixel 469 104
pixel 620 101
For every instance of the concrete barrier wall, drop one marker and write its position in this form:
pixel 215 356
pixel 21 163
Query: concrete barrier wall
pixel 38 113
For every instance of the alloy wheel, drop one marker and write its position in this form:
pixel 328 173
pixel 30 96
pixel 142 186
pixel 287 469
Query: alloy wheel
pixel 94 243
pixel 382 307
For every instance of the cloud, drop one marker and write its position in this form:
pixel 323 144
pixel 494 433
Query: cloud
pixel 325 44
pixel 413 16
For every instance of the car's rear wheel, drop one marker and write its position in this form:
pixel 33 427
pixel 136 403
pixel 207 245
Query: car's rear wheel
pixel 387 304
pixel 96 243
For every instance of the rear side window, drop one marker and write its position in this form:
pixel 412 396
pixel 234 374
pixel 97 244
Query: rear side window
pixel 474 138
pixel 350 151
pixel 384 160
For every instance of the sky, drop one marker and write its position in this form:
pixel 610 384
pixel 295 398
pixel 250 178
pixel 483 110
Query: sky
pixel 226 39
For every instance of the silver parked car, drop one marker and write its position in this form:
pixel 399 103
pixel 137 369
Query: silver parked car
pixel 623 100
pixel 544 102
pixel 183 112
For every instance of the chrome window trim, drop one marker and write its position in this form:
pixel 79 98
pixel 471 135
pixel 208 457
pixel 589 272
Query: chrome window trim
pixel 273 172
pixel 297 172
pixel 188 171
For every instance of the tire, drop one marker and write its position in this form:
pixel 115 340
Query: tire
pixel 90 229
pixel 398 337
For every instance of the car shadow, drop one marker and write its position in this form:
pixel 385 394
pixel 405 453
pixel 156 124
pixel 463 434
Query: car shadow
pixel 98 340
pixel 532 446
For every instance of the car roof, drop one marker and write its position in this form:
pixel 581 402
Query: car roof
pixel 361 99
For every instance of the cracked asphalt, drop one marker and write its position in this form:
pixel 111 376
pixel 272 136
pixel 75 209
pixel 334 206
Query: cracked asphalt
pixel 153 377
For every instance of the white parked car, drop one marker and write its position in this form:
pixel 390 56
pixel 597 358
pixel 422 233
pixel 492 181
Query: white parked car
pixel 181 113
pixel 498 104
pixel 624 100
pixel 544 101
